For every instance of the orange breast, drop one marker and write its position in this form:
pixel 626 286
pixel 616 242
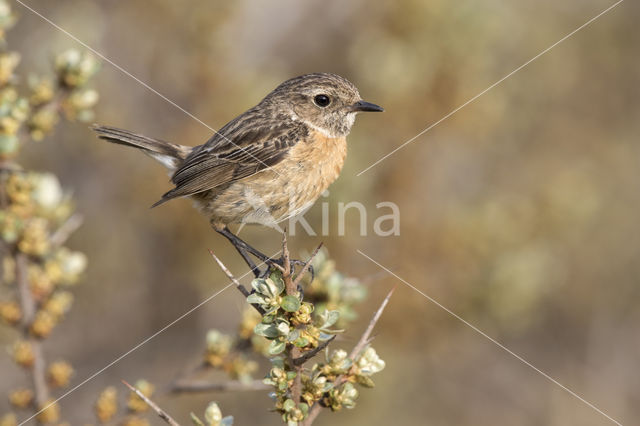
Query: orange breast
pixel 317 164
pixel 285 189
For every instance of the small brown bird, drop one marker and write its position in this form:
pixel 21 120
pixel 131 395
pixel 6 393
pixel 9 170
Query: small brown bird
pixel 269 163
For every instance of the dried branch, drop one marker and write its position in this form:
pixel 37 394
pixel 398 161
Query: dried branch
pixel 28 306
pixel 289 285
pixel 292 290
pixel 163 415
pixel 233 279
pixel 296 387
pixel 364 339
pixel 307 265
pixel 188 386
pixel 63 233
pixel 315 410
pixel 228 273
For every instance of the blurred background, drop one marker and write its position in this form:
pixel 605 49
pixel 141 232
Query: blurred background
pixel 519 213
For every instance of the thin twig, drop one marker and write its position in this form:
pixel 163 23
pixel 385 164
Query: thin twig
pixel 285 252
pixel 367 333
pixel 306 266
pixel 184 386
pixel 313 413
pixel 28 306
pixel 292 290
pixel 310 354
pixel 315 410
pixel 289 286
pixel 62 234
pixel 228 273
pixel 233 279
pixel 163 415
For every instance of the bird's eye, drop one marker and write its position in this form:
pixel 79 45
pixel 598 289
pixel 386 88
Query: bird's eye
pixel 322 100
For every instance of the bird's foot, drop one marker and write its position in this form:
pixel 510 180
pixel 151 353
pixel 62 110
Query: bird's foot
pixel 279 265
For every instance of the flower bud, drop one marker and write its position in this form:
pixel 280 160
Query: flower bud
pixel 59 373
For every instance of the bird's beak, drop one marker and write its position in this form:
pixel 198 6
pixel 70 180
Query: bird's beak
pixel 366 106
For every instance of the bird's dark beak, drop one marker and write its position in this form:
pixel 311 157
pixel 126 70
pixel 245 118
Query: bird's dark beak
pixel 366 106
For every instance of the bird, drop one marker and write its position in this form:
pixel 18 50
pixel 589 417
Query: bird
pixel 266 165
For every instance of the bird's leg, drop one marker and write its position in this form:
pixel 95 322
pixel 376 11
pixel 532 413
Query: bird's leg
pixel 244 249
pixel 247 259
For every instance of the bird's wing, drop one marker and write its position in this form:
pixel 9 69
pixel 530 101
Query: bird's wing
pixel 242 148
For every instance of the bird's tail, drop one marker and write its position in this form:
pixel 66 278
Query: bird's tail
pixel 169 154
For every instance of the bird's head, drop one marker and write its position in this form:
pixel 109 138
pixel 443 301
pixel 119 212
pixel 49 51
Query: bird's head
pixel 326 102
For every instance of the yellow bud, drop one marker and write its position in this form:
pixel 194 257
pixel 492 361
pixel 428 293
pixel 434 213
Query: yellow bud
pixel 241 368
pixel 37 135
pixel 21 398
pixel 9 125
pixel 107 404
pixel 35 239
pixel 135 421
pixel 43 324
pixel 59 373
pixel 9 419
pixel 50 412
pixel 250 318
pixel 19 189
pixel 41 92
pixel 213 360
pixel 23 353
pixel 43 121
pixel 59 303
pixel 41 285
pixel 10 312
pixel 53 270
pixel 8 62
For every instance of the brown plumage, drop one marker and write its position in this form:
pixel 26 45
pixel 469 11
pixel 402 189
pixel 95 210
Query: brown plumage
pixel 267 164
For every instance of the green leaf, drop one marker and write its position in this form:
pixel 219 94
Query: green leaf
pixel 269 331
pixel 270 315
pixel 290 303
pixel 288 405
pixel 212 414
pixel 304 408
pixel 326 336
pixel 283 328
pixel 270 288
pixel 291 375
pixel 256 298
pixel 301 342
pixel 278 362
pixel 365 381
pixel 276 347
pixel 258 284
pixel 276 278
pixel 293 335
pixel 268 381
pixel 330 318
